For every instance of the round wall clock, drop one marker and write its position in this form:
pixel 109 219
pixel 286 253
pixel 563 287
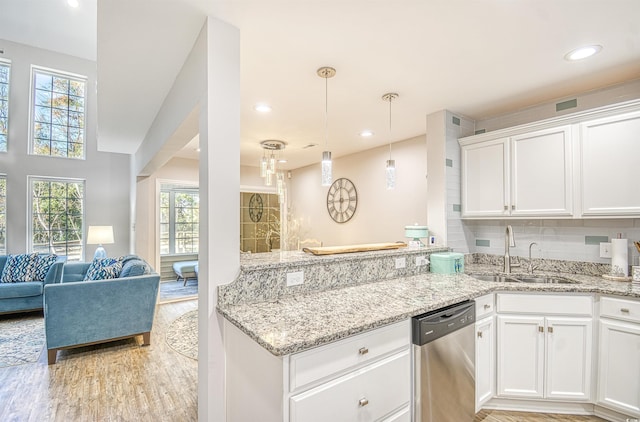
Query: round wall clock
pixel 255 207
pixel 342 200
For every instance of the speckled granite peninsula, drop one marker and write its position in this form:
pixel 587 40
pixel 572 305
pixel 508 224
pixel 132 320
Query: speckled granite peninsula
pixel 344 295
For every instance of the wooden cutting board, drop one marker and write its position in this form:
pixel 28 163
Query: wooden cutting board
pixel 330 250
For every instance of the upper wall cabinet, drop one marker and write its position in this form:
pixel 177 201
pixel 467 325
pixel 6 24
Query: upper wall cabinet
pixel 576 166
pixel 528 175
pixel 610 157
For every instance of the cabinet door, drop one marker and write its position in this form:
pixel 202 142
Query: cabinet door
pixel 569 343
pixel 520 356
pixel 366 394
pixel 619 367
pixel 485 361
pixel 609 151
pixel 484 179
pixel 541 173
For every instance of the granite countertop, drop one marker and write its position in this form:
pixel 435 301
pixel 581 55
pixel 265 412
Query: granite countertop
pixel 297 323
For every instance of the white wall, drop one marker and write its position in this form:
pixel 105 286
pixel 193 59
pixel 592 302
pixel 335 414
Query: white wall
pixel 381 214
pixel 106 175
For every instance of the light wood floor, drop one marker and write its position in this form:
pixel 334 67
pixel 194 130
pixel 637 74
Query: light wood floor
pixel 504 416
pixel 118 381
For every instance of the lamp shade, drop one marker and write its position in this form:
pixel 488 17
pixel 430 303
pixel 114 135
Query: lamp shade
pixel 100 235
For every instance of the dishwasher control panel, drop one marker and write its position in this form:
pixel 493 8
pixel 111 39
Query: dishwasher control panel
pixel 435 324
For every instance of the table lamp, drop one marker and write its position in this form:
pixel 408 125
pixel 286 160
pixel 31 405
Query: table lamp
pixel 99 235
pixel 416 232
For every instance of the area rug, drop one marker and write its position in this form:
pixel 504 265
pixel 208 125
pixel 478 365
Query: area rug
pixel 182 335
pixel 21 339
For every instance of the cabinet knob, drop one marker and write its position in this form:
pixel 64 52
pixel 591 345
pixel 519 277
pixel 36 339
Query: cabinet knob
pixel 479 334
pixel 550 329
pixel 541 329
pixel 624 310
pixel 363 351
pixel 506 207
pixel 363 402
pixel 513 207
pixel 487 306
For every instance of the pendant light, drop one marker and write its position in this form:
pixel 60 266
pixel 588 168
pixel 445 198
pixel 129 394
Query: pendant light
pixel 268 164
pixel 390 171
pixel 326 73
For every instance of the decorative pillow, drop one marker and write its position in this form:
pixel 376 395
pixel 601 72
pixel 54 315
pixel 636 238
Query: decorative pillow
pixel 42 265
pixel 104 268
pixel 19 268
pixel 134 267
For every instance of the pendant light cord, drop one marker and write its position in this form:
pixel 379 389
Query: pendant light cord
pixel 390 99
pixel 326 112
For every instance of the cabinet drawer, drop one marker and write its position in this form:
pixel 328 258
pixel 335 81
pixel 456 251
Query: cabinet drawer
pixel 627 310
pixel 484 306
pixel 366 394
pixel 324 361
pixel 545 304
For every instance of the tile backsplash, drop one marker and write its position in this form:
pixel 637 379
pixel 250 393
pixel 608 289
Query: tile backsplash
pixel 571 240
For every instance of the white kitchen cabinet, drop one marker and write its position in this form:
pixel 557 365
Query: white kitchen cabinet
pixel 544 356
pixel 366 377
pixel 485 361
pixel 619 356
pixel 609 153
pixel 529 174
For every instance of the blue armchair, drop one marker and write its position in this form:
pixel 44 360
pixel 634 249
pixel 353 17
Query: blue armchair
pixel 78 313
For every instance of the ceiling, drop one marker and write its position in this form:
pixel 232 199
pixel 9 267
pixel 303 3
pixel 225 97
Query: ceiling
pixel 476 58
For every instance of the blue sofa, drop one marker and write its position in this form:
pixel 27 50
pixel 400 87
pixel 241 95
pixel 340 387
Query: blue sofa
pixel 78 313
pixel 26 296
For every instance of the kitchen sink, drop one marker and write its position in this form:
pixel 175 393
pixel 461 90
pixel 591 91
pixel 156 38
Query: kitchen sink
pixel 499 278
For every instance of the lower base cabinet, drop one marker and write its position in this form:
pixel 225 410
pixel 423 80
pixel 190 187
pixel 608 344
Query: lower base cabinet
pixel 619 357
pixel 485 361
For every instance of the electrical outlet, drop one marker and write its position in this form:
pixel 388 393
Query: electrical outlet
pixel 421 260
pixel 295 278
pixel 401 263
pixel 605 250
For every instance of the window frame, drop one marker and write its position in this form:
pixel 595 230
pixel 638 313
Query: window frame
pixel 32 104
pixel 30 180
pixel 172 219
pixel 7 63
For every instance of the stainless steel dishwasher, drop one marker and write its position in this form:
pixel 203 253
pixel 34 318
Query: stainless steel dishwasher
pixel 444 364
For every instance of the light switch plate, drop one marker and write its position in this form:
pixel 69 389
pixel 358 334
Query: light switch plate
pixel 401 263
pixel 605 250
pixel 295 278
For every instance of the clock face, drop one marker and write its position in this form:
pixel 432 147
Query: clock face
pixel 255 207
pixel 342 200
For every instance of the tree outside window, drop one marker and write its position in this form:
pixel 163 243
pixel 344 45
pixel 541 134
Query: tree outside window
pixel 179 221
pixel 58 115
pixel 3 214
pixel 57 210
pixel 4 105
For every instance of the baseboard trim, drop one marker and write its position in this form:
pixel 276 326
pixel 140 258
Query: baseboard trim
pixel 545 406
pixel 612 415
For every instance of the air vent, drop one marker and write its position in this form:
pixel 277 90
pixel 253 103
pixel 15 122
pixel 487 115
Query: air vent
pixel 309 146
pixel 565 105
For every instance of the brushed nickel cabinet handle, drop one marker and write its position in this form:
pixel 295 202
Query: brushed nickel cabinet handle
pixel 541 329
pixel 363 351
pixel 513 207
pixel 550 329
pixel 363 402
pixel 506 207
pixel 624 310
pixel 487 306
pixel 479 334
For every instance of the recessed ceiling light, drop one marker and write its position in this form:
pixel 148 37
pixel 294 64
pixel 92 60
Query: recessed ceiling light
pixel 262 108
pixel 282 160
pixel 73 3
pixel 366 133
pixel 582 52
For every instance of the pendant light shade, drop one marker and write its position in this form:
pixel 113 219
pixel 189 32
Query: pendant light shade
pixel 390 171
pixel 327 177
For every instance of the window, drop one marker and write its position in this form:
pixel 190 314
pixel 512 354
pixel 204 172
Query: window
pixel 57 214
pixel 4 104
pixel 58 114
pixel 179 220
pixel 3 214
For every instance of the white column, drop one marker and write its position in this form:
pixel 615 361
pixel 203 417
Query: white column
pixel 219 255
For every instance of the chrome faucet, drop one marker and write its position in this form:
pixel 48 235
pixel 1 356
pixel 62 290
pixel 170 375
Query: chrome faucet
pixel 531 267
pixel 508 241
